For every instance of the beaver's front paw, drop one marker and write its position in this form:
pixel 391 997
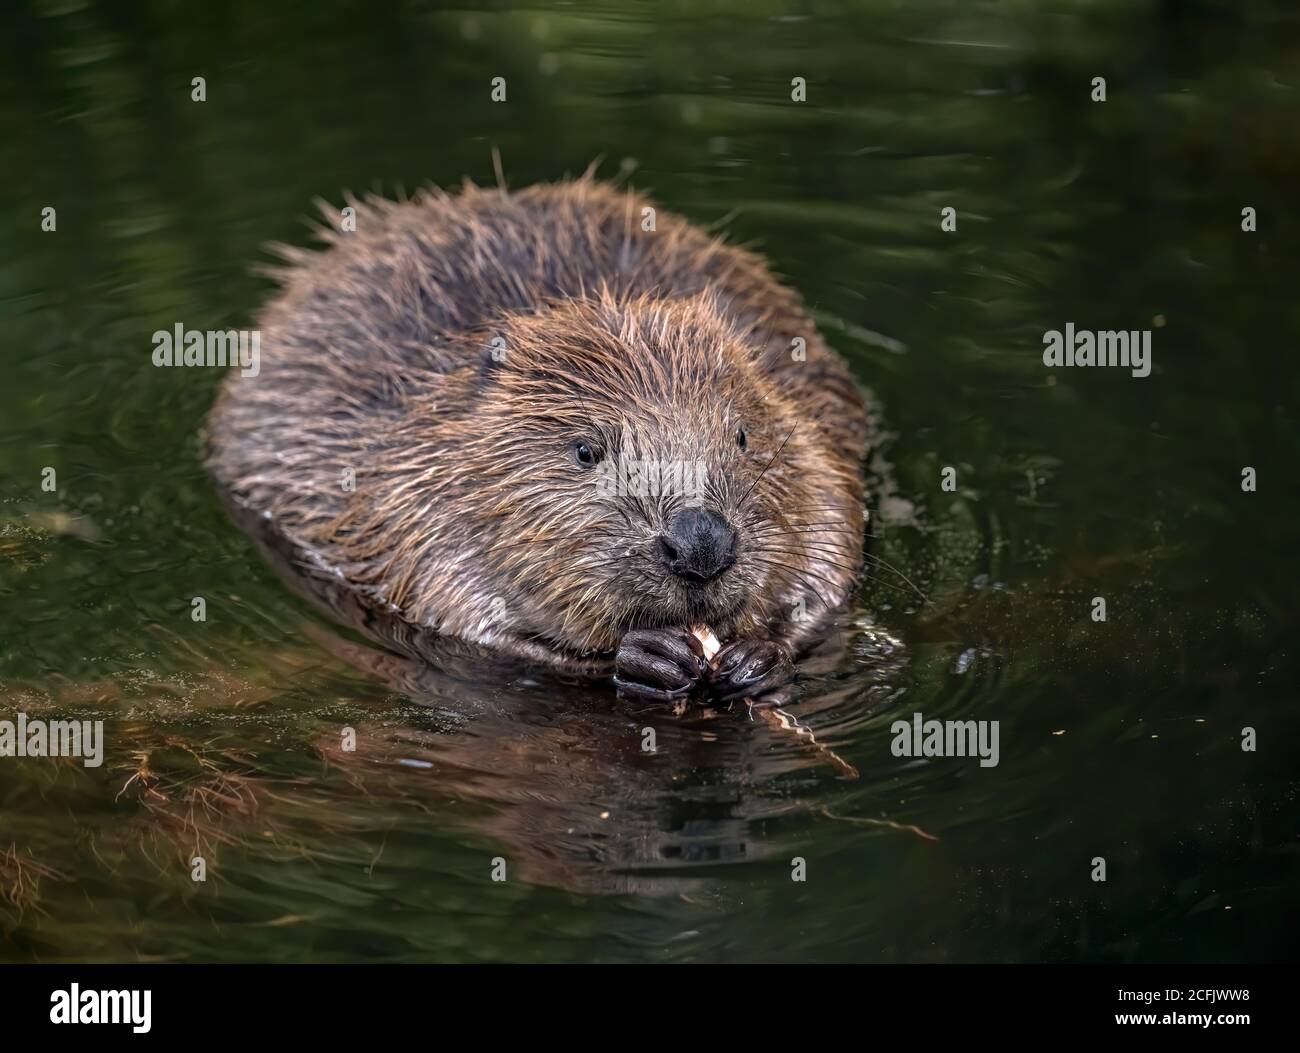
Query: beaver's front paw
pixel 750 669
pixel 658 665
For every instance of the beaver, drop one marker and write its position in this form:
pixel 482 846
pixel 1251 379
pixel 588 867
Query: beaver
pixel 449 396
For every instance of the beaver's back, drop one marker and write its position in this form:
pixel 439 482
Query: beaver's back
pixel 416 273
pixel 389 313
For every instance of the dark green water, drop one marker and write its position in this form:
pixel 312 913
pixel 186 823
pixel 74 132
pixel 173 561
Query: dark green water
pixel 1119 739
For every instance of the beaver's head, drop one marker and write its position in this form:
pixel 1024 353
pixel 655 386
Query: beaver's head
pixel 629 464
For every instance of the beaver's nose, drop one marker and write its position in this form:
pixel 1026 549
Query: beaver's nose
pixel 699 545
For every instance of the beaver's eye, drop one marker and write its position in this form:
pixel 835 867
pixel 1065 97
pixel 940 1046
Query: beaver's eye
pixel 585 454
pixel 741 441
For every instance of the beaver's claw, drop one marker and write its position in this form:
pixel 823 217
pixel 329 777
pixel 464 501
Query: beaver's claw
pixel 658 665
pixel 750 669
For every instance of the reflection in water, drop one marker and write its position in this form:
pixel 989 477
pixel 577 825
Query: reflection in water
pixel 560 775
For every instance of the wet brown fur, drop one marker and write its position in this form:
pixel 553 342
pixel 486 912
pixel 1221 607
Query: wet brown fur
pixel 470 516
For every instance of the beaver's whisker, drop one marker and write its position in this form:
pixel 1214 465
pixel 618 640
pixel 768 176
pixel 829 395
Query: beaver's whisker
pixel 813 508
pixel 822 551
pixel 866 555
pixel 801 571
pixel 808 528
pixel 891 567
pixel 826 604
pixel 820 558
pixel 868 576
pixel 771 461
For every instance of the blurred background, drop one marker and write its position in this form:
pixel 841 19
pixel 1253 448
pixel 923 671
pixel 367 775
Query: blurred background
pixel 1119 739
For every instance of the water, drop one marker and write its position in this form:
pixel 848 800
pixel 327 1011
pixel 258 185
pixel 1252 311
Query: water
pixel 1119 739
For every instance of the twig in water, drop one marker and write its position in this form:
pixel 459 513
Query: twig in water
pixel 906 827
pixel 781 720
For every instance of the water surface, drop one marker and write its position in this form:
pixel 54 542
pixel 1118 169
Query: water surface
pixel 1119 739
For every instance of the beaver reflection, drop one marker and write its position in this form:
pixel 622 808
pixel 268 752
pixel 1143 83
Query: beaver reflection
pixel 552 766
pixel 560 777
